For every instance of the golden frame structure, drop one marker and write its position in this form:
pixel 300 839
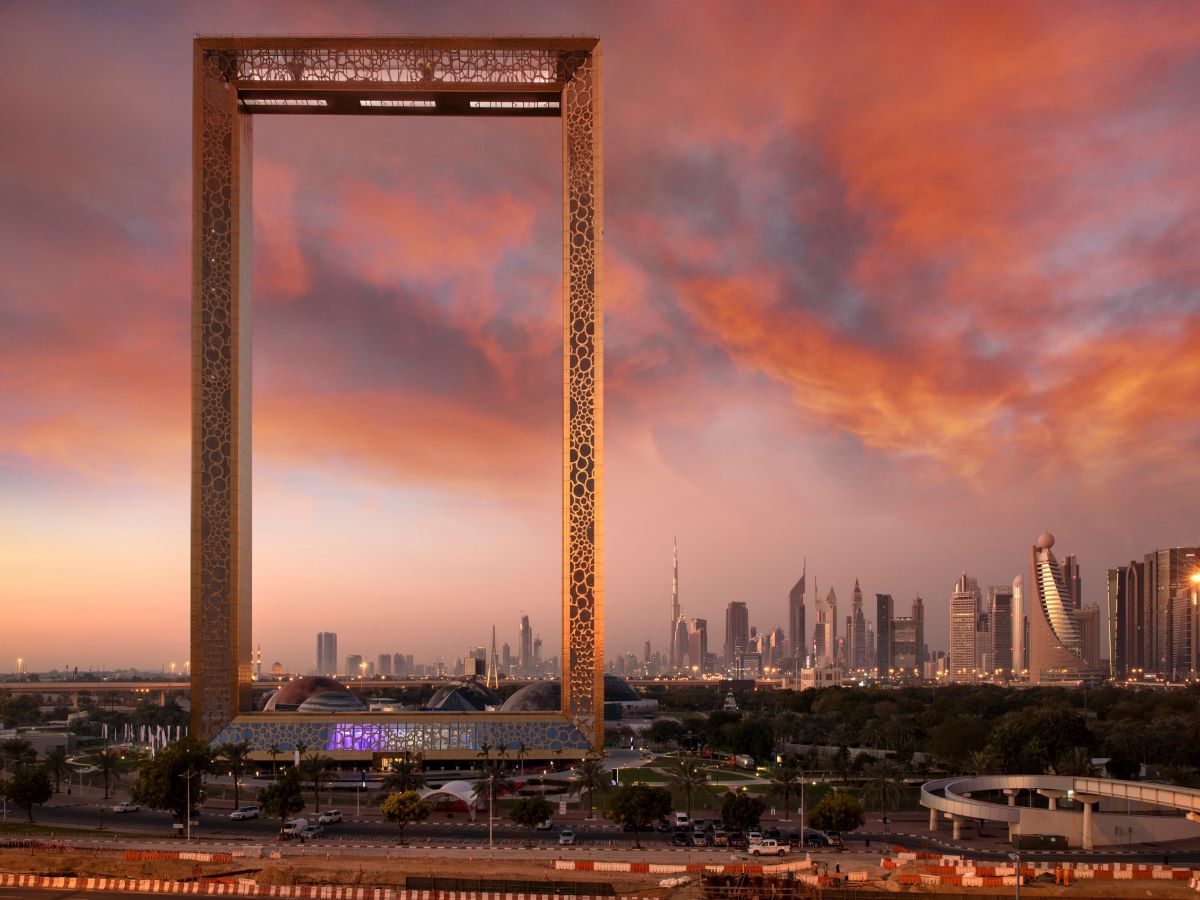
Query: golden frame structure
pixel 236 78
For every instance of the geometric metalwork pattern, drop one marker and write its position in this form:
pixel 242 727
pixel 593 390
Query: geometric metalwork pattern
pixel 237 78
pixel 454 737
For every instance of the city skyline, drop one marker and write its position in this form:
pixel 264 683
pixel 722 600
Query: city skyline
pixel 820 298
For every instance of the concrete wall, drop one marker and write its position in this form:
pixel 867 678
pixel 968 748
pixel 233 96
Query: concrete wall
pixel 1108 828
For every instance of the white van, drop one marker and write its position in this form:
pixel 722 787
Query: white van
pixel 292 827
pixel 681 820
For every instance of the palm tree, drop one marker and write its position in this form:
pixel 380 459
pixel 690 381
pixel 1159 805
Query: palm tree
pixel 786 779
pixel 872 734
pixel 56 765
pixel 492 781
pixel 236 754
pixel 109 763
pixel 521 751
pixel 589 776
pixel 686 774
pixel 981 762
pixel 314 769
pixel 1076 761
pixel 405 775
pixel 881 789
pixel 485 751
pixel 274 751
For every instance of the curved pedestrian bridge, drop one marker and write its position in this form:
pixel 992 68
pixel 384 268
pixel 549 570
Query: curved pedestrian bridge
pixel 1098 811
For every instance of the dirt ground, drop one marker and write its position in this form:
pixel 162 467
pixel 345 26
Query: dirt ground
pixel 344 869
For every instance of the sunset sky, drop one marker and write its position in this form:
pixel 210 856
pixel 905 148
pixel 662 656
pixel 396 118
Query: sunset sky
pixel 890 286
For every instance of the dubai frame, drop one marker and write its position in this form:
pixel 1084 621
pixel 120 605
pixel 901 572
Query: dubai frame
pixel 237 78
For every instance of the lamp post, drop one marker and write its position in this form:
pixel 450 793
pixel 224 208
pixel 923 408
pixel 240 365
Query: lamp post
pixel 188 775
pixel 1016 858
pixel 491 805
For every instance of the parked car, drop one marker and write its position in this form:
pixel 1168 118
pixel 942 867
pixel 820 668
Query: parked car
pixel 663 826
pixel 546 824
pixel 835 838
pixel 245 812
pixel 291 828
pixel 699 839
pixel 754 837
pixel 774 834
pixel 308 832
pixel 815 838
pixel 768 847
pixel 737 840
pixel 330 816
pixel 566 838
pixel 794 839
pixel 681 820
pixel 126 807
pixel 681 839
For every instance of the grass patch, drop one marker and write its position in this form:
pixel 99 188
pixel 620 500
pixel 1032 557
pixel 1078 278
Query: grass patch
pixel 37 828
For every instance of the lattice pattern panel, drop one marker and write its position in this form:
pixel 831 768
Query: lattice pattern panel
pixel 368 736
pixel 583 677
pixel 407 66
pixel 220 637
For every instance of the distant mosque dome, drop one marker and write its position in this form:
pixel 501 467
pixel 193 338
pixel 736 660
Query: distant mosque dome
pixel 1045 540
pixel 463 696
pixel 293 695
pixel 546 696
pixel 332 702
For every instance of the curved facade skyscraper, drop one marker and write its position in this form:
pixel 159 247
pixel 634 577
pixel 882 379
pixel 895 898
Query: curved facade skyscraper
pixel 1055 639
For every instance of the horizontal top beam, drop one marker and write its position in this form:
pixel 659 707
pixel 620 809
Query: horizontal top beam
pixel 395 42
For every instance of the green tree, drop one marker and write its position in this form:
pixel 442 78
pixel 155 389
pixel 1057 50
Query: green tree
pixel 786 779
pixel 404 808
pixel 638 805
pixel 314 769
pixel 837 811
pixel 56 766
pixel 273 751
pixel 665 732
pixel 741 811
pixel 163 781
pixel 404 775
pixel 28 785
pixel 111 766
pixel 686 774
pixel 235 755
pixel 981 762
pixel 881 789
pixel 17 752
pixel 283 797
pixel 589 778
pixel 528 812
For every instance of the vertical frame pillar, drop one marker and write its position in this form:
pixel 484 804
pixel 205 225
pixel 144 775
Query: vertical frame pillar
pixel 583 399
pixel 221 392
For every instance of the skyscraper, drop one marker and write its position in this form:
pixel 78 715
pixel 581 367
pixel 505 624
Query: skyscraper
pixel 1020 629
pixel 856 631
pixel 964 627
pixel 698 646
pixel 1167 577
pixel 825 636
pixel 1089 633
pixel 385 664
pixel 796 618
pixel 673 640
pixel 327 658
pixel 525 661
pixel 1055 644
pixel 737 632
pixel 884 613
pixel 1000 619
pixel 1074 585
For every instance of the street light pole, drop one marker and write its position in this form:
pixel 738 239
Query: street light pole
pixel 1016 857
pixel 188 811
pixel 491 805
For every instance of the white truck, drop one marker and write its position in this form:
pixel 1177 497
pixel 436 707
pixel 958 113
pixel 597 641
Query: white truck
pixel 291 828
pixel 742 761
pixel 768 847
